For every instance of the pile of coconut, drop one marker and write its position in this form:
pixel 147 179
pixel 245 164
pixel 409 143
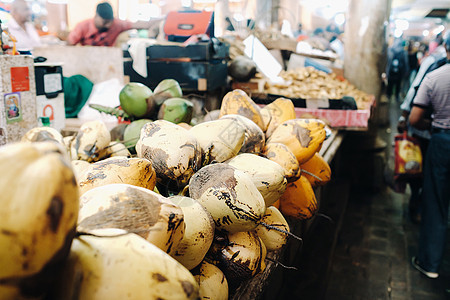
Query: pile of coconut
pixel 191 214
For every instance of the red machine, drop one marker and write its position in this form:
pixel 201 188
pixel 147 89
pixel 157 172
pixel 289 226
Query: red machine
pixel 180 25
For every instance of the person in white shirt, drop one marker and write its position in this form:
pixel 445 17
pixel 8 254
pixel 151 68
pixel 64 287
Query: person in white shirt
pixel 21 28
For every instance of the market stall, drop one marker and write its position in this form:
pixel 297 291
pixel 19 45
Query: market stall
pixel 164 146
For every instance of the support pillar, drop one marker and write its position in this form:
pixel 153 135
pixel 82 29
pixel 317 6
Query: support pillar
pixel 365 43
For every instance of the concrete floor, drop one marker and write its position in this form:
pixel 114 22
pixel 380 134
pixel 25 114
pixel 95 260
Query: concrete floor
pixel 377 240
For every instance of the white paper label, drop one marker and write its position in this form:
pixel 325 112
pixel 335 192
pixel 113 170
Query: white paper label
pixel 52 83
pixel 317 103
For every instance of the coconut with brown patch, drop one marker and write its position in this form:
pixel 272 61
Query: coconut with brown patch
pixel 280 110
pixel 239 103
pixel 212 282
pixel 111 264
pixel 239 255
pixel 254 136
pixel 229 195
pixel 119 169
pixel 303 137
pixel 275 235
pixel 91 138
pixel 43 134
pixel 79 168
pixel 174 152
pixel 118 149
pixel 281 154
pixel 135 210
pixel 267 176
pixel 220 139
pixel 198 235
pixel 39 209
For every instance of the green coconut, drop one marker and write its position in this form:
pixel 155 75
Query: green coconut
pixel 168 88
pixel 132 133
pixel 176 110
pixel 135 99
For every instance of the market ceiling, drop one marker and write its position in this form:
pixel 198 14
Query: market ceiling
pixel 419 9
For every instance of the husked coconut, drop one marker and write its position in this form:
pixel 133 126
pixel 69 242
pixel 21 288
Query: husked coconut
pixel 299 200
pixel 229 195
pixel 135 210
pixel 266 118
pixel 91 138
pixel 220 139
pixel 198 235
pixel 174 152
pixel 43 134
pixel 303 137
pixel 254 137
pixel 212 115
pixel 316 170
pixel 39 209
pixel 79 167
pixel 238 102
pixel 118 149
pixel 114 265
pixel 280 110
pixel 68 141
pixel 119 169
pixel 281 154
pixel 239 255
pixel 212 282
pixel 268 176
pixel 272 238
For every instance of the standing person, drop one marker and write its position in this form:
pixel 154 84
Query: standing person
pixel 436 42
pixel 396 69
pixel 21 28
pixel 429 64
pixel 104 29
pixel 299 30
pixel 434 93
pixel 413 63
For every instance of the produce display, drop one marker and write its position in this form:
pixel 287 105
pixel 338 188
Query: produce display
pixel 191 214
pixel 310 83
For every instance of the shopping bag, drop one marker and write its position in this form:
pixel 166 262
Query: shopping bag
pixel 408 161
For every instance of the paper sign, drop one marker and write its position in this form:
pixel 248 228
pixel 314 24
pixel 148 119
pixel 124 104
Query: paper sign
pixel 13 108
pixel 20 79
pixel 263 59
pixel 317 103
pixel 52 83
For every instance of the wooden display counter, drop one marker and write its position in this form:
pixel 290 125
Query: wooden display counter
pixel 269 284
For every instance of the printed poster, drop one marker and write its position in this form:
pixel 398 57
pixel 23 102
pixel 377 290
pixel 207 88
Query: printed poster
pixel 13 107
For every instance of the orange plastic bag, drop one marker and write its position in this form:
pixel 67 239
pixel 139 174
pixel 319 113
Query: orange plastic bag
pixel 408 161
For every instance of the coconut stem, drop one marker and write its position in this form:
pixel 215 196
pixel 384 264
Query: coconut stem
pixel 278 263
pixel 311 174
pixel 82 233
pixel 185 191
pixel 324 216
pixel 281 230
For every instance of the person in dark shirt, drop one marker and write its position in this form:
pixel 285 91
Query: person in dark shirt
pixel 396 69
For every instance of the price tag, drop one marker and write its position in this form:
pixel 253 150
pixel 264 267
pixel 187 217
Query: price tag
pixel 315 103
pixel 52 83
